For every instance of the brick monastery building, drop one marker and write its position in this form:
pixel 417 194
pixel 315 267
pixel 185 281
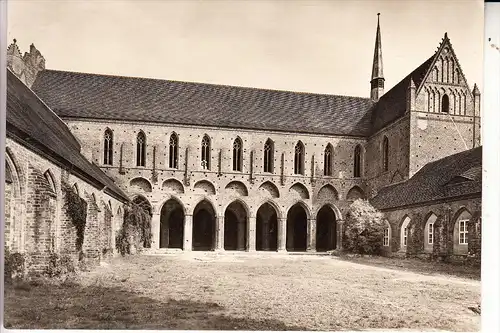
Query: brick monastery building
pixel 232 168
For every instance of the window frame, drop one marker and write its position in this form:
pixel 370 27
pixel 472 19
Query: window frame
pixel 298 159
pixel 173 151
pixel 108 147
pixel 268 158
pixel 463 232
pixel 205 152
pixel 238 155
pixel 141 149
pixel 328 161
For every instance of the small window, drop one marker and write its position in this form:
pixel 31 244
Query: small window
pixel 385 154
pixel 328 162
pixel 141 149
pixel 173 151
pixel 108 147
pixel 386 237
pixel 269 156
pixel 430 235
pixel 463 233
pixel 205 153
pixel 357 161
pixel 299 159
pixel 445 104
pixel 237 155
pixel 405 236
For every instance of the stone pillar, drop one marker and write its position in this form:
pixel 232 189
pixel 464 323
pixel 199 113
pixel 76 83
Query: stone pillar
pixel 155 230
pixel 311 235
pixel 282 235
pixel 340 232
pixel 252 224
pixel 188 233
pixel 219 233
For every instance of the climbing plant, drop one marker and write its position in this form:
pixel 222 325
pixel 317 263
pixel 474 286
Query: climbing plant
pixel 76 209
pixel 135 232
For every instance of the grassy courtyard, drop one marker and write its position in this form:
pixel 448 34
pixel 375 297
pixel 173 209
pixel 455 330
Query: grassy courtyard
pixel 242 292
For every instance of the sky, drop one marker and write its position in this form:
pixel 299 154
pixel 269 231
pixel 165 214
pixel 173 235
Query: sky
pixel 311 46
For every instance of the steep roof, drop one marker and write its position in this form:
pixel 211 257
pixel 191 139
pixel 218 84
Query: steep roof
pixel 452 176
pixel 30 120
pixel 81 95
pixel 392 104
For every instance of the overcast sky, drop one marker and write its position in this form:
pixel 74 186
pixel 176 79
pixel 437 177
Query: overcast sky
pixel 315 46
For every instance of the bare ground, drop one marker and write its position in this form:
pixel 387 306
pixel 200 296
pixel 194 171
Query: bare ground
pixel 247 292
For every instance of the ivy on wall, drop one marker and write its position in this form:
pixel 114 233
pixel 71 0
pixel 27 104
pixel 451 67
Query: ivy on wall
pixel 76 208
pixel 135 232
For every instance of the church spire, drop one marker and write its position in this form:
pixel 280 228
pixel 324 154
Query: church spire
pixel 377 81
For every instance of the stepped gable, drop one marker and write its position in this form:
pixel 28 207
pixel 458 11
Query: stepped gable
pixel 105 97
pixel 452 176
pixel 32 123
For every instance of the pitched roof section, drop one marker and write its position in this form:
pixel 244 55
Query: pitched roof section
pixel 392 105
pixel 436 181
pixel 95 96
pixel 28 118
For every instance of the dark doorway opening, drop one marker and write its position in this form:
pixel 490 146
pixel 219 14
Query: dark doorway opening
pixel 326 230
pixel 172 225
pixel 296 225
pixel 235 227
pixel 267 229
pixel 204 227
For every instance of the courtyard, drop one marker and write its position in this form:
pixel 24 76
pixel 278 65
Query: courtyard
pixel 207 291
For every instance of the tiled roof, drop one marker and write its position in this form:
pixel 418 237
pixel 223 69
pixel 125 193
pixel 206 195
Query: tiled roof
pixel 436 181
pixel 29 119
pixel 96 96
pixel 392 105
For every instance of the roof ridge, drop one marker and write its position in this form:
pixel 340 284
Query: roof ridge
pixel 204 83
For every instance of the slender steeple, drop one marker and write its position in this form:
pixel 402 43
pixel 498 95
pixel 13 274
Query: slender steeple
pixel 377 81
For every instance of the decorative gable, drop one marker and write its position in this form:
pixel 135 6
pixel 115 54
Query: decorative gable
pixel 444 88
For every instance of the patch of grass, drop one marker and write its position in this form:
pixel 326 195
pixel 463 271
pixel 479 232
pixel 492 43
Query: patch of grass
pixel 248 293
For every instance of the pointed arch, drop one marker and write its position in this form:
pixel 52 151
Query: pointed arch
pixel 328 192
pixel 236 216
pixel 77 190
pixel 237 154
pixel 144 203
pixel 328 160
pixel 173 186
pixel 357 161
pixel 355 193
pixel 269 189
pixel 385 154
pixel 108 147
pixel 204 187
pixel 429 234
pixel 236 188
pixel 460 228
pixel 141 149
pixel 445 104
pixel 269 156
pixel 205 152
pixel 49 176
pixel 298 160
pixel 300 190
pixel 140 184
pixel 404 232
pixel 173 151
pixel 387 234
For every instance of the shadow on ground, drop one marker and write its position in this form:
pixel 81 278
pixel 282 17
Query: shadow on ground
pixel 72 306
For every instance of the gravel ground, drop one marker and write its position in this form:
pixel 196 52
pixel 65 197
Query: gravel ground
pixel 248 292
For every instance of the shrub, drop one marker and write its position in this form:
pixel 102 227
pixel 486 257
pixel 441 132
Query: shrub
pixel 135 232
pixel 60 265
pixel 76 208
pixel 14 265
pixel 364 229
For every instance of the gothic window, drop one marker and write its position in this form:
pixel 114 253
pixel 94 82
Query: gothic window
pixel 205 153
pixel 237 154
pixel 268 156
pixel 299 159
pixel 463 232
pixel 141 149
pixel 445 104
pixel 108 147
pixel 328 163
pixel 430 235
pixel 386 237
pixel 385 153
pixel 357 161
pixel 173 149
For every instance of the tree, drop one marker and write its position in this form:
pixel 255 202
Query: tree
pixel 364 228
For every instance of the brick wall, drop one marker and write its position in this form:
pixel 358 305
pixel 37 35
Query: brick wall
pixel 36 220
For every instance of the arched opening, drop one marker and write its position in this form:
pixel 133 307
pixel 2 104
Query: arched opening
pixel 357 161
pixel 429 233
pixel 326 229
pixel 445 104
pixel 172 225
pixel 141 149
pixel 299 159
pixel 328 160
pixel 269 156
pixel 404 233
pixel 387 234
pixel 205 153
pixel 461 232
pixel 267 228
pixel 204 227
pixel 235 226
pixel 296 225
pixel 237 155
pixel 385 154
pixel 108 147
pixel 173 151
